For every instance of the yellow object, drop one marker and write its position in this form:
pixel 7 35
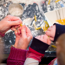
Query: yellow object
pixel 53 46
pixel 57 1
pixel 36 27
pixel 45 29
pixel 49 2
pixel 46 26
pixel 35 18
pixel 20 24
pixel 61 21
pixel 34 23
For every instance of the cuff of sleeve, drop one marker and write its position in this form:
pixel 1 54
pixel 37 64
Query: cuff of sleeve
pixel 60 29
pixel 38 47
pixel 2 34
pixel 17 54
pixel 34 56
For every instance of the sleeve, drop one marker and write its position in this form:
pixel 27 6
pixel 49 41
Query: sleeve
pixel 2 34
pixel 16 57
pixel 60 29
pixel 38 47
pixel 36 52
pixel 31 61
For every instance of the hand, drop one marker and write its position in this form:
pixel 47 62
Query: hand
pixel 23 37
pixel 51 32
pixel 8 22
pixel 44 38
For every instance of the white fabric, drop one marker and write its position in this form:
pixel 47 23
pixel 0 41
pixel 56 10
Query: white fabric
pixel 31 61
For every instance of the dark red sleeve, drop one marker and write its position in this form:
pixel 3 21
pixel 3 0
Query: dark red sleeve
pixel 16 57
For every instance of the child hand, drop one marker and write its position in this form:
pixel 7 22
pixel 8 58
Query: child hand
pixel 8 22
pixel 23 37
pixel 44 38
pixel 51 32
pixel 39 45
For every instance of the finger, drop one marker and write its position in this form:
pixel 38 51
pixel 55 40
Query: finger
pixel 17 26
pixel 49 29
pixel 18 22
pixel 23 31
pixel 28 31
pixel 48 33
pixel 18 32
pixel 17 39
pixel 16 43
pixel 13 29
pixel 13 18
pixel 48 41
pixel 51 38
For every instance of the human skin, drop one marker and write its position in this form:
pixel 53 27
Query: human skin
pixel 23 37
pixel 60 44
pixel 44 38
pixel 51 32
pixel 8 22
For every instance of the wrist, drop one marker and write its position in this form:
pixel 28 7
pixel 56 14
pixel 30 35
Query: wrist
pixel 34 56
pixel 23 48
pixel 18 47
pixel 38 47
pixel 1 26
pixel 17 54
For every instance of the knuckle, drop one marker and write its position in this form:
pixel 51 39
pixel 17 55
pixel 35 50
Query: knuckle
pixel 25 38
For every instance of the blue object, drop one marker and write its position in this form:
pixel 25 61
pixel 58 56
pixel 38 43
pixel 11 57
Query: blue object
pixel 60 29
pixel 56 64
pixel 62 5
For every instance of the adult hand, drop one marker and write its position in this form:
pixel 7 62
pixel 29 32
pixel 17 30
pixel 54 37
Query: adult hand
pixel 8 22
pixel 23 37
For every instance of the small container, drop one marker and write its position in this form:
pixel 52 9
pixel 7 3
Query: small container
pixel 15 9
pixel 55 15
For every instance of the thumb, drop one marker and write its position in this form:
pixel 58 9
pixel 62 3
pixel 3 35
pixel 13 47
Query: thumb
pixel 23 31
pixel 15 22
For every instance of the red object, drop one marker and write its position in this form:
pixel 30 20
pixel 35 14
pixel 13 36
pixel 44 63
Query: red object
pixel 16 56
pixel 52 62
pixel 33 51
pixel 2 34
pixel 34 56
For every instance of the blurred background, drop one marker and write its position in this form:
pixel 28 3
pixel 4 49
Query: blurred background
pixel 32 11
